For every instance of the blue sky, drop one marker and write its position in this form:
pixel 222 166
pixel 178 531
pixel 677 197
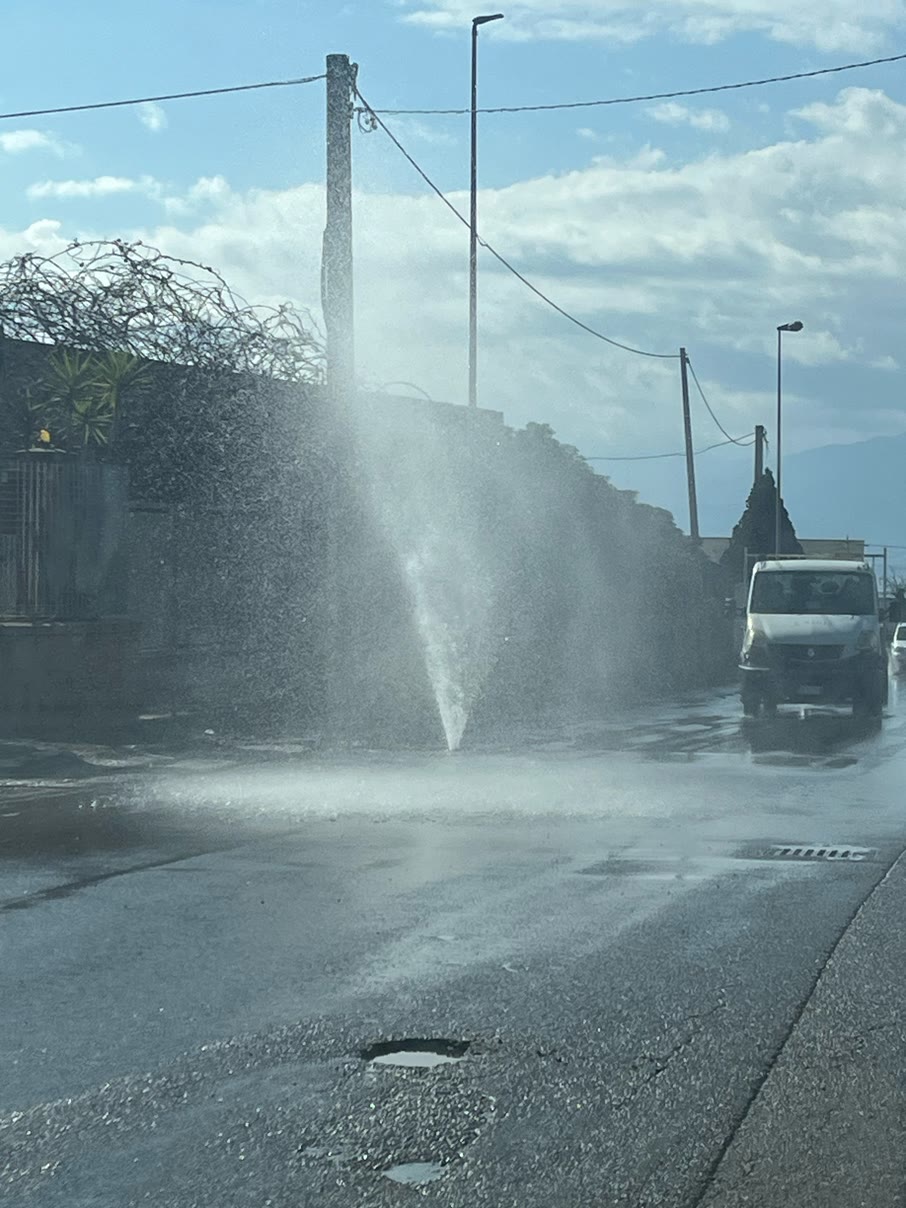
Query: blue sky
pixel 703 222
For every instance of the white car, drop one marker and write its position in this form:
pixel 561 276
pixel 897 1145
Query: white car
pixel 898 650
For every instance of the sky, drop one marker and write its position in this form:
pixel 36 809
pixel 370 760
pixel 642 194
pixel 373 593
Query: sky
pixel 701 222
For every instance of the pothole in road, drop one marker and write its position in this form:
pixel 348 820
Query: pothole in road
pixel 414 1174
pixel 419 1054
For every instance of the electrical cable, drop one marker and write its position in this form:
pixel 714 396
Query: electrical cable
pixel 660 456
pixel 661 356
pixel 170 96
pixel 708 405
pixel 653 96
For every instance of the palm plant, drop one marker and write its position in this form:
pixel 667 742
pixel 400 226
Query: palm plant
pixel 79 398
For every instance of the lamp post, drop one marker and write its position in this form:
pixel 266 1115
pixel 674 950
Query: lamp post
pixel 477 22
pixel 797 326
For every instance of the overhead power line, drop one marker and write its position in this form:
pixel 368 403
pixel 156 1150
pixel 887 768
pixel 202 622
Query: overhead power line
pixel 618 100
pixel 169 96
pixel 660 456
pixel 373 116
pixel 710 410
pixel 652 96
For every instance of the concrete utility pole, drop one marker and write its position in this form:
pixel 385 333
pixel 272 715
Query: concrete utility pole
pixel 690 455
pixel 759 452
pixel 477 22
pixel 336 260
pixel 340 519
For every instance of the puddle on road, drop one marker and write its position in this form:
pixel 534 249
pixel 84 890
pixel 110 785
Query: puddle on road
pixel 630 868
pixel 413 1174
pixel 661 756
pixel 615 867
pixel 416 1054
pixel 416 1060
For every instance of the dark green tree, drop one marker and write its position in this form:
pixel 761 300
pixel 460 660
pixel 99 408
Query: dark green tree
pixel 754 531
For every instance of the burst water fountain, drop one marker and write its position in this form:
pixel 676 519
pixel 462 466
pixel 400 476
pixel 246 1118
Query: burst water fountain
pixel 424 494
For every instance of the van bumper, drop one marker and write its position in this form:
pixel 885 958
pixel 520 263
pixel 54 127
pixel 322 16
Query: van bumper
pixel 796 681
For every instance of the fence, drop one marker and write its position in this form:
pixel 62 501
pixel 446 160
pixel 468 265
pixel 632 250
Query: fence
pixel 61 528
pixel 227 604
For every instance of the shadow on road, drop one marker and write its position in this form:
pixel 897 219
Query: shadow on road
pixel 811 733
pixel 59 827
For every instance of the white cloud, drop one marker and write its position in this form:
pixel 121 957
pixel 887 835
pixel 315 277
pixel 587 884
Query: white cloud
pixel 409 129
pixel 829 25
pixel 99 186
pixel 712 253
pixel 44 236
pixel 152 116
pixel 14 142
pixel 206 191
pixel 673 114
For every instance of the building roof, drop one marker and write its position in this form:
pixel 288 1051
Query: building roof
pixel 849 548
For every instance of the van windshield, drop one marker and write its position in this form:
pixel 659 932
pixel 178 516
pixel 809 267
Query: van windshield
pixel 803 592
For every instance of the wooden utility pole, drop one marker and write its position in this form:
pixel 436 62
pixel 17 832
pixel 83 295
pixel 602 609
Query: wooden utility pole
pixel 690 455
pixel 336 260
pixel 759 452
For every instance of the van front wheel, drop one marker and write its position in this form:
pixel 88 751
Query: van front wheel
pixel 752 701
pixel 869 699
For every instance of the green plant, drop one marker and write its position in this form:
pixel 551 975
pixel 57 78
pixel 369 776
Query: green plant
pixel 79 397
pixel 119 374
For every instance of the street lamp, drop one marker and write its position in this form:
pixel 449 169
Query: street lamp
pixel 473 217
pixel 797 326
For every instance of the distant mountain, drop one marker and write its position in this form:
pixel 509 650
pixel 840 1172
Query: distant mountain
pixel 856 490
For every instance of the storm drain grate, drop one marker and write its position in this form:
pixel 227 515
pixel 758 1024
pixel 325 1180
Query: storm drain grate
pixel 789 851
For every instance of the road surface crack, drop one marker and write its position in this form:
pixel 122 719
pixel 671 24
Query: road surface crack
pixel 659 1063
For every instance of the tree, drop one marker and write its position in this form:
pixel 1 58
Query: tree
pixel 754 531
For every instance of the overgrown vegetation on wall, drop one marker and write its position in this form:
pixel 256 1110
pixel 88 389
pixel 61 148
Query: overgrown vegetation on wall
pixel 350 569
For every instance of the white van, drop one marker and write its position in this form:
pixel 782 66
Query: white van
pixel 813 635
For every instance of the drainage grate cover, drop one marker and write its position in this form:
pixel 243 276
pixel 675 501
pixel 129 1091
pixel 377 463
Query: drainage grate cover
pixel 817 851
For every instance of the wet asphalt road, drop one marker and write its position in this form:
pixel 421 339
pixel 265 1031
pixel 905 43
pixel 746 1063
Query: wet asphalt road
pixel 665 1002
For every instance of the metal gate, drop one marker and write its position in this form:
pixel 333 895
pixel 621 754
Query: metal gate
pixel 55 534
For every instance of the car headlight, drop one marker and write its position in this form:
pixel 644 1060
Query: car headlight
pixel 867 641
pixel 754 649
